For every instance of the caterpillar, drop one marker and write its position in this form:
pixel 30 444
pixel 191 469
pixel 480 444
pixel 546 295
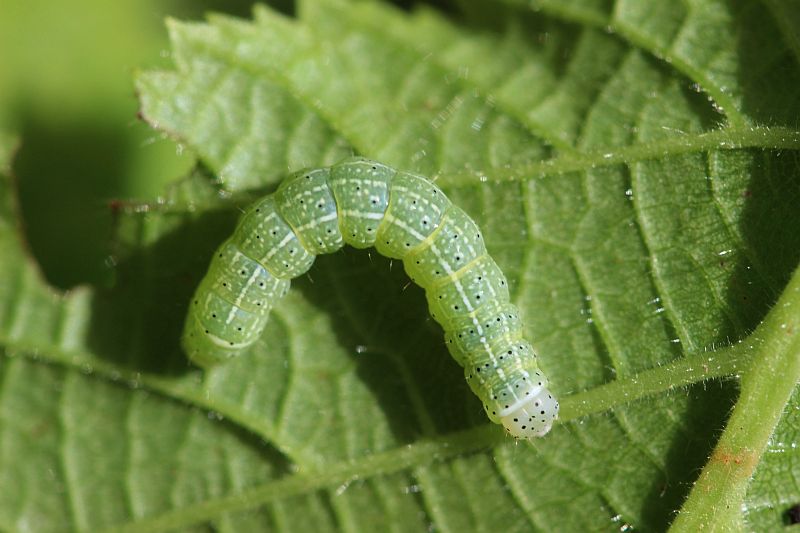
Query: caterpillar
pixel 404 216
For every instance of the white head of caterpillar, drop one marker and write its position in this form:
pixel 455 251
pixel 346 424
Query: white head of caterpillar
pixel 533 417
pixel 365 203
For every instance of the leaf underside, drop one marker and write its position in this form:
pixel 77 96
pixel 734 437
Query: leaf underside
pixel 634 170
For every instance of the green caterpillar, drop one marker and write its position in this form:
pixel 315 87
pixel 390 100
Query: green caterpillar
pixel 404 216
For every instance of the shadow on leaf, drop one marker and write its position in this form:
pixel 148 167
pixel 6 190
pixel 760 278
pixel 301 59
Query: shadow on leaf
pixel 139 322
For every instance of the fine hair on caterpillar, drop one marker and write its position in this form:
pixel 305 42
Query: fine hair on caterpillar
pixel 364 203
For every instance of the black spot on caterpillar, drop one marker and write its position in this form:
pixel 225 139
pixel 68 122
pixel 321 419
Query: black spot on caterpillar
pixel 404 216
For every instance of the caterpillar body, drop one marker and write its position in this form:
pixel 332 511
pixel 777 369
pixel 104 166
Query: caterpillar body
pixel 404 216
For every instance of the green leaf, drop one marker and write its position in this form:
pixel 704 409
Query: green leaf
pixel 637 184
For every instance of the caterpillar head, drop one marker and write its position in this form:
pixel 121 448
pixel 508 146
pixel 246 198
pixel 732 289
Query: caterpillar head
pixel 534 417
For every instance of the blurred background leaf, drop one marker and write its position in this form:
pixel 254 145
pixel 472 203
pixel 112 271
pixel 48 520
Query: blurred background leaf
pixel 65 88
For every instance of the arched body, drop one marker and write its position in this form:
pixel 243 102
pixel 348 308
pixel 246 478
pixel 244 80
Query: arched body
pixel 404 216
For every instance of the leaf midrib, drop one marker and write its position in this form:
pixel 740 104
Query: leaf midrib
pixel 764 138
pixel 722 363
